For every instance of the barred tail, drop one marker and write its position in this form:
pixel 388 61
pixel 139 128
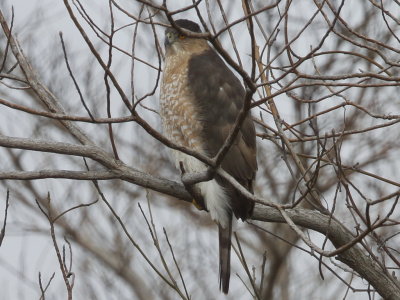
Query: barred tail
pixel 224 235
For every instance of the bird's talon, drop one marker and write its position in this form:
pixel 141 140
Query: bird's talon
pixel 197 205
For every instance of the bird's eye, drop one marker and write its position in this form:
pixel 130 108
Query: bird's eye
pixel 182 37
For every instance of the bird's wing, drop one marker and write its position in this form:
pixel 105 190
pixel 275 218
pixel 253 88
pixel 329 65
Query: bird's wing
pixel 219 96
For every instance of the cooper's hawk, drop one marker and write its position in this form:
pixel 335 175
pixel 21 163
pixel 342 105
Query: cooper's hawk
pixel 200 101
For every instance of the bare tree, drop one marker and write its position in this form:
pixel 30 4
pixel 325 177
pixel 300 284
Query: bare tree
pixel 87 167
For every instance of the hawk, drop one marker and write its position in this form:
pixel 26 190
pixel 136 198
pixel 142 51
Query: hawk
pixel 199 102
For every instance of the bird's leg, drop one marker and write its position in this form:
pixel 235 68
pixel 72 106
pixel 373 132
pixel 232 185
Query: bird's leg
pixel 197 205
pixel 193 190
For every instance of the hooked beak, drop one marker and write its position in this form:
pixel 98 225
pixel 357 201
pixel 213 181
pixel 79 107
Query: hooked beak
pixel 168 39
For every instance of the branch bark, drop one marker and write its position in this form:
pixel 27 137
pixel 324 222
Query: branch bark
pixel 386 285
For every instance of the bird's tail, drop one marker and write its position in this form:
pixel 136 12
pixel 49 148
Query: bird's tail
pixel 224 235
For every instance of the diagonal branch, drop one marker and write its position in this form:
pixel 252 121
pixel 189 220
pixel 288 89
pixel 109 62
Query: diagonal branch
pixel 386 285
pixel 44 94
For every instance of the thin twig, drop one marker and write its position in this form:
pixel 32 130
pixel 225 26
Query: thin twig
pixel 3 228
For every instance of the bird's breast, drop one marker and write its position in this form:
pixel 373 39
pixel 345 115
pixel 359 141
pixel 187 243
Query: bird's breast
pixel 178 109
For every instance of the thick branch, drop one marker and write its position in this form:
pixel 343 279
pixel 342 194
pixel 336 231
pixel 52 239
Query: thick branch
pixel 64 174
pixel 119 169
pixel 386 285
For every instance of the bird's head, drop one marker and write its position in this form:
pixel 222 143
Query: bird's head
pixel 178 41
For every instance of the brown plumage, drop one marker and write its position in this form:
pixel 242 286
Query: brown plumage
pixel 200 100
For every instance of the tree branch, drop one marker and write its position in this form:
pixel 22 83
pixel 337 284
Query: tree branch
pixel 386 285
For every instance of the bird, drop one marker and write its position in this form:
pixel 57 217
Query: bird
pixel 200 100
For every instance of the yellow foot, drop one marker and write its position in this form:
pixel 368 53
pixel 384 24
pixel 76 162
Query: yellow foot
pixel 197 205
